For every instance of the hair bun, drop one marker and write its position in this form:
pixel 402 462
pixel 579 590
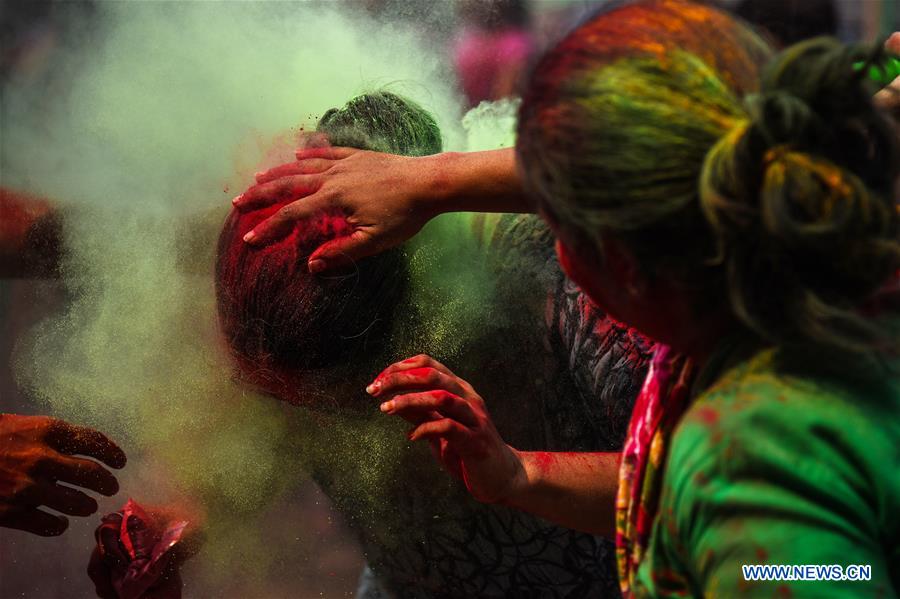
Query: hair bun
pixel 801 195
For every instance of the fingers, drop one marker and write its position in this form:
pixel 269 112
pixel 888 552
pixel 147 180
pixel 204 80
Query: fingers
pixel 414 379
pixel 342 251
pixel 419 361
pixel 80 472
pixel 893 43
pixel 411 406
pixel 328 152
pixel 446 428
pixel 310 166
pixel 99 574
pixel 64 499
pixel 283 222
pixel 71 439
pixel 37 522
pixel 447 457
pixel 281 189
pixel 112 551
pixel 416 362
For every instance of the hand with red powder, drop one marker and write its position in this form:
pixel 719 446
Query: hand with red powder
pixel 453 418
pixel 572 489
pixel 36 453
pixel 386 198
pixel 140 551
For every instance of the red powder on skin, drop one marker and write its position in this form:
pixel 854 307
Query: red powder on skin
pixel 324 226
pixel 547 461
pixel 412 372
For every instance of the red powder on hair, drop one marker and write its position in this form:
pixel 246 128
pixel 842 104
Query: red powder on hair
pixel 281 322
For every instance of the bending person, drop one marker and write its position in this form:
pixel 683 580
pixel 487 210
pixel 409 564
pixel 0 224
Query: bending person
pixel 316 340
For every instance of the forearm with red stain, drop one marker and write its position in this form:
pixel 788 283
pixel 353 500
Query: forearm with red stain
pixel 572 489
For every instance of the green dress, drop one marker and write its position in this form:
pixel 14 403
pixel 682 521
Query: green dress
pixel 786 459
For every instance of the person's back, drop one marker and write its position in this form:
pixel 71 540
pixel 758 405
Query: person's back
pixel 785 437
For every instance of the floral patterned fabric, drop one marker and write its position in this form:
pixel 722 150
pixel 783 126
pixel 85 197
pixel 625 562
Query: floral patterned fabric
pixel 660 404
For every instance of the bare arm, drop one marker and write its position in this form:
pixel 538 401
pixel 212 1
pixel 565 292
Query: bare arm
pixel 575 490
pixel 475 182
pixel 387 198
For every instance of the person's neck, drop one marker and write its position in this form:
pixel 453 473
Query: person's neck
pixel 700 343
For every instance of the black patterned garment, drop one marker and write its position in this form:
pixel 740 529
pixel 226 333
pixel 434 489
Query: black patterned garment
pixel 558 376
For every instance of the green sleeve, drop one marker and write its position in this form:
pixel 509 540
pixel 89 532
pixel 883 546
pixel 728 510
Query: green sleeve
pixel 769 473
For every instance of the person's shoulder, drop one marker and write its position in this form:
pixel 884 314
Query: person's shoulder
pixel 781 387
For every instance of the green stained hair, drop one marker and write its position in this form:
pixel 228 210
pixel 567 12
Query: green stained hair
pixel 773 190
pixel 382 122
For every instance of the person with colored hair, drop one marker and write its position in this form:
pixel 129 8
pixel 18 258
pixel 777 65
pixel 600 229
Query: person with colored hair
pixel 740 210
pixel 314 341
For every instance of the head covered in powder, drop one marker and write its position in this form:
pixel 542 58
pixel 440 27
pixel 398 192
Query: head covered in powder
pixel 285 326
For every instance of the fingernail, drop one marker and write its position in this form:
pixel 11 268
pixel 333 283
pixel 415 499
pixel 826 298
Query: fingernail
pixel 250 237
pixel 237 199
pixel 374 388
pixel 316 266
pixel 386 406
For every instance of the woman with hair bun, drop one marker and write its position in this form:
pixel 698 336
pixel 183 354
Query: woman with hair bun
pixel 740 210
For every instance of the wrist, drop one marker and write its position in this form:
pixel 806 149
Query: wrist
pixel 522 479
pixel 440 189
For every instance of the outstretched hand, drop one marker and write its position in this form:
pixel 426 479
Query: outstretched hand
pixel 448 412
pixel 36 452
pixel 379 193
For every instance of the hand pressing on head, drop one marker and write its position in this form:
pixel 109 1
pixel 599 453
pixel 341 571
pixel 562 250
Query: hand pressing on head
pixel 448 412
pixel 379 193
pixel 36 454
pixel 386 198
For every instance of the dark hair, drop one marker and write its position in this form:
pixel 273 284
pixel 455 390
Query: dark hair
pixel 635 126
pixel 276 317
pixel 791 21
